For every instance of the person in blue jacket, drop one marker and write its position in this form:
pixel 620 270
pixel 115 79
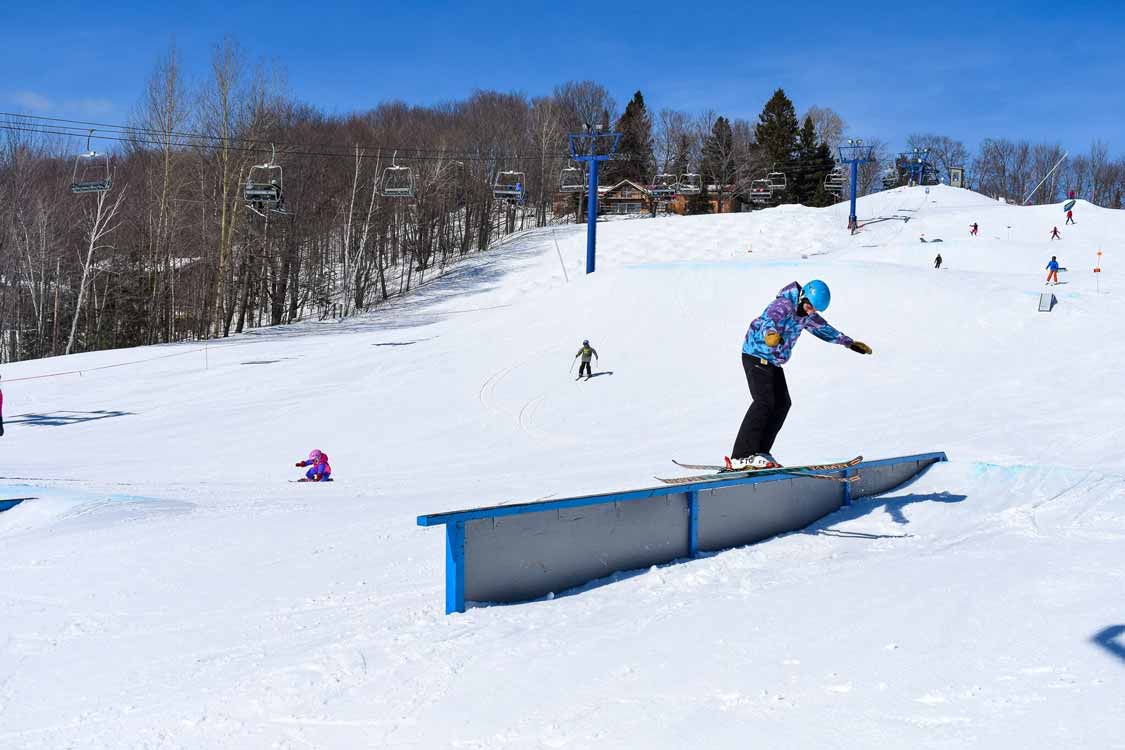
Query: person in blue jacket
pixel 767 346
pixel 1053 270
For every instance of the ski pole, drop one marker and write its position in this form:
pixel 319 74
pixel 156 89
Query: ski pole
pixel 572 365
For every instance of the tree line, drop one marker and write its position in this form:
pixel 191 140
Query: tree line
pixel 170 253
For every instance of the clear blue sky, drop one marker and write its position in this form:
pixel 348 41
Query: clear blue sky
pixel 1035 70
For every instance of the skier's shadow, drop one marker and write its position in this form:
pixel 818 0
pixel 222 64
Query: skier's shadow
pixel 894 506
pixel 599 374
pixel 63 418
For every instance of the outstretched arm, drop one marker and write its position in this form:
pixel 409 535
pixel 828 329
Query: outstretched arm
pixel 820 328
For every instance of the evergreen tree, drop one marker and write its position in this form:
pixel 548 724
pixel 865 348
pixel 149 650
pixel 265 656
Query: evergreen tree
pixel 719 157
pixel 814 162
pixel 777 135
pixel 635 160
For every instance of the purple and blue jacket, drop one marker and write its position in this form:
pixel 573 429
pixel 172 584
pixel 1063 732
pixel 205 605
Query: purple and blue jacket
pixel 781 316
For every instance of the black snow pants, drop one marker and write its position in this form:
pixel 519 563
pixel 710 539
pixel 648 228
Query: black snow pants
pixel 768 410
pixel 585 366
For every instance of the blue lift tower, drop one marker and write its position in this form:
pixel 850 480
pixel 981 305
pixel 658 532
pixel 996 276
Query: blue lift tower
pixel 854 152
pixel 593 146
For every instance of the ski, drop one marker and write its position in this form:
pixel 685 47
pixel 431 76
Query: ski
pixel 808 470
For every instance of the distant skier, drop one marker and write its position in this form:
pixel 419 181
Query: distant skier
pixel 319 469
pixel 973 229
pixel 1055 233
pixel 767 346
pixel 586 352
pixel 1069 217
pixel 937 261
pixel 1053 270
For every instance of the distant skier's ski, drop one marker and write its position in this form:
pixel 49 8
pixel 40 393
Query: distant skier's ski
pixel 809 470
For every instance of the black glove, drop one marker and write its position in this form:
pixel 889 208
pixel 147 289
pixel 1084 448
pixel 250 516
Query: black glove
pixel 299 464
pixel 860 348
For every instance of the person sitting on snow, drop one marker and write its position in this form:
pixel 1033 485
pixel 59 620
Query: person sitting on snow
pixel 319 470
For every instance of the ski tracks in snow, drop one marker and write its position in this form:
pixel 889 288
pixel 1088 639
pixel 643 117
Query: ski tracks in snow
pixel 524 416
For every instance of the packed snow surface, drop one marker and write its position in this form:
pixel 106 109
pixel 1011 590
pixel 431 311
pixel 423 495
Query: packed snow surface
pixel 170 589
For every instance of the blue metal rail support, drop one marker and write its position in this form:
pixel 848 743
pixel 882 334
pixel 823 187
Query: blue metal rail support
pixel 455 567
pixel 693 522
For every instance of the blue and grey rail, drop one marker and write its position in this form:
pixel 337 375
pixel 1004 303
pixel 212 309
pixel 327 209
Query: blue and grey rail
pixel 518 552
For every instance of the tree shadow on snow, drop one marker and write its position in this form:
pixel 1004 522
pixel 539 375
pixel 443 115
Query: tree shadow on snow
pixel 1112 639
pixel 458 283
pixel 63 418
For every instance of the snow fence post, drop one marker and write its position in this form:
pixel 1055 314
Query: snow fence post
pixel 454 567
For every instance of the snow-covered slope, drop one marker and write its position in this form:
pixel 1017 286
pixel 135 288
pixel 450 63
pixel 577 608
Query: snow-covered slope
pixel 170 589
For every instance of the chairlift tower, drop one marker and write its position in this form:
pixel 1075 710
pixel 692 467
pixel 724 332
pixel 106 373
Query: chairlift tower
pixel 855 152
pixel 593 146
pixel 917 165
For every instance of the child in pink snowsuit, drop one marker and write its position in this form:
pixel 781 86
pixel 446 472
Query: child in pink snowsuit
pixel 319 470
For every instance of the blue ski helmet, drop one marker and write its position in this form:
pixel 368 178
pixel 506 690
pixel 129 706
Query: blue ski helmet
pixel 817 293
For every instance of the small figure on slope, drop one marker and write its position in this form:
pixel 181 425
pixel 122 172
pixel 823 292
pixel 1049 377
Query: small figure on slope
pixel 937 261
pixel 767 346
pixel 1070 217
pixel 1053 270
pixel 319 470
pixel 585 353
pixel 1055 233
pixel 973 229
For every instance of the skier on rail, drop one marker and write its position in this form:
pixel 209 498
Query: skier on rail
pixel 767 346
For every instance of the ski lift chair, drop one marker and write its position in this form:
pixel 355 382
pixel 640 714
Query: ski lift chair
pixel 664 185
pixel 509 186
pixel 91 171
pixel 571 180
pixel 760 191
pixel 834 180
pixel 776 180
pixel 890 178
pixel 262 189
pixel 397 182
pixel 690 184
